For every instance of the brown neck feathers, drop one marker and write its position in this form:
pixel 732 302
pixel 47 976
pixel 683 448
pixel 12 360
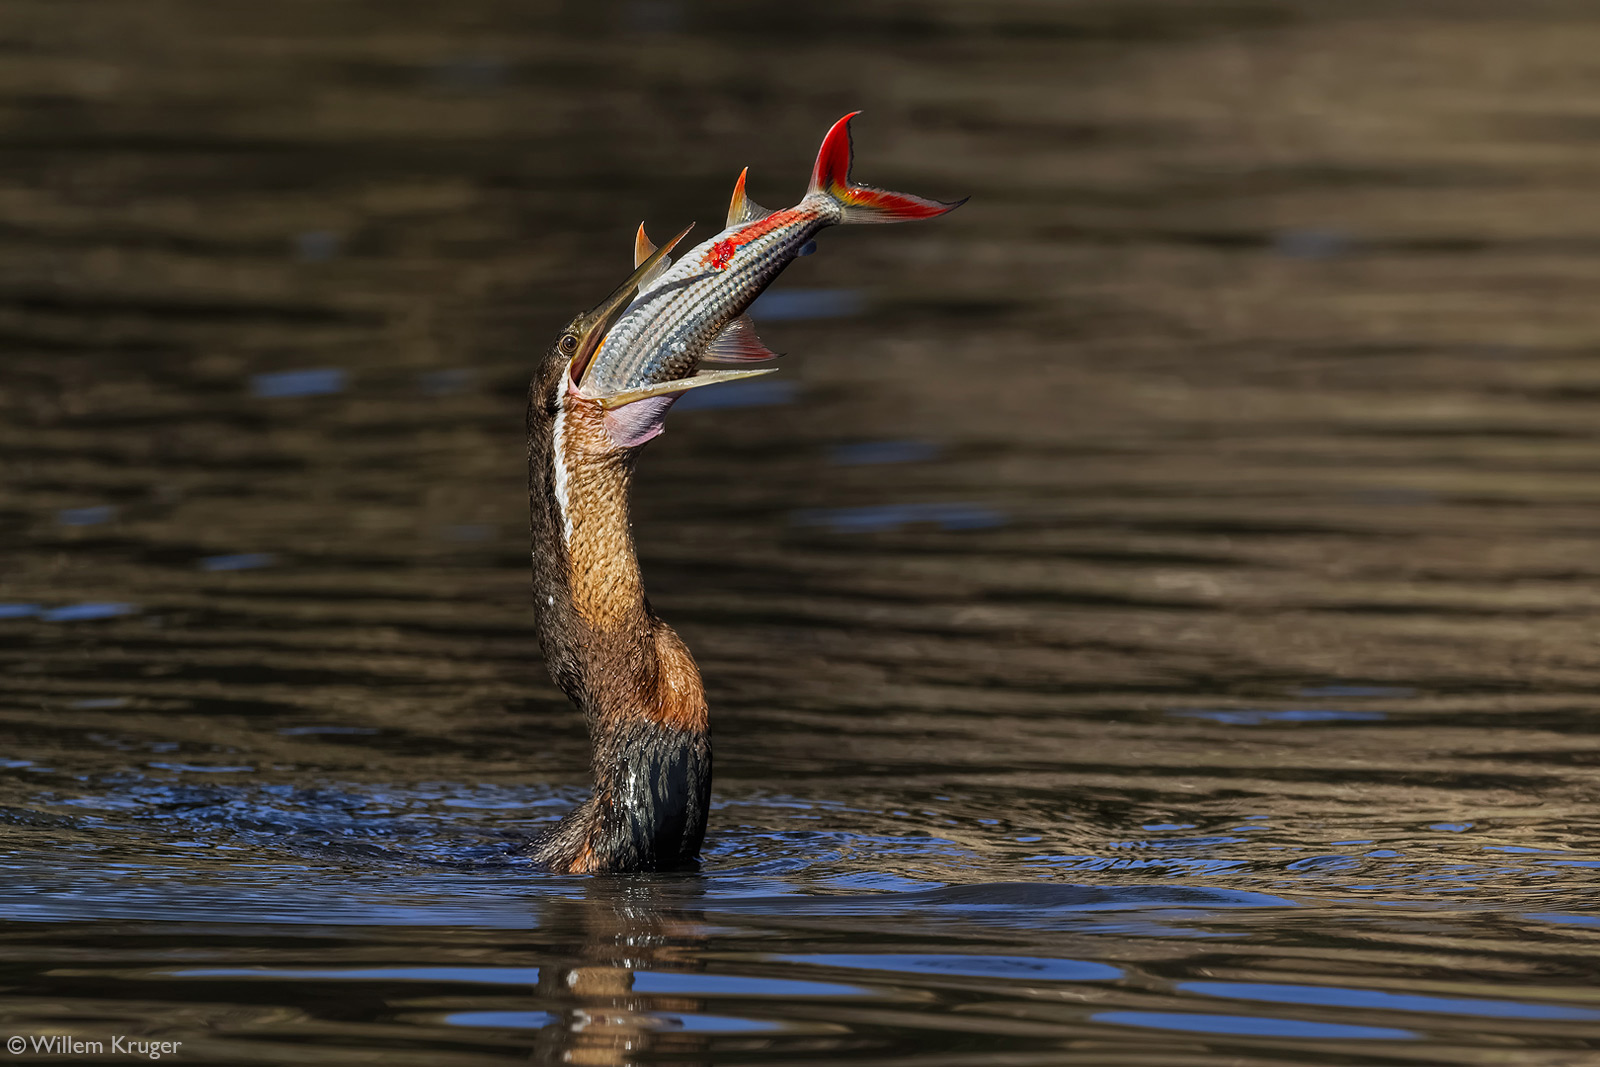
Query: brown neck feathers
pixel 621 660
pixel 630 673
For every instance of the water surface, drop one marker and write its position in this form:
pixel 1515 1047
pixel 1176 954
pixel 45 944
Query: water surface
pixel 1150 620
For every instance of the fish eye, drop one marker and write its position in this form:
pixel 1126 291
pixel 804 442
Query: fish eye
pixel 569 343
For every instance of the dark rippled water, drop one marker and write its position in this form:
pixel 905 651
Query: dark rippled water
pixel 1151 620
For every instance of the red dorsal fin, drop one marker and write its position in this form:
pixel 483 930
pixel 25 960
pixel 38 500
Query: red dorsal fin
pixel 741 208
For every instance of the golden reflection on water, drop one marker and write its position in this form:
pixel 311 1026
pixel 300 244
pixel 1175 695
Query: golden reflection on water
pixel 604 1022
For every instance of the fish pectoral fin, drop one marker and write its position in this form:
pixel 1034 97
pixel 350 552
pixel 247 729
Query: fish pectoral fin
pixel 643 247
pixel 613 401
pixel 635 416
pixel 738 343
pixel 741 208
pixel 632 426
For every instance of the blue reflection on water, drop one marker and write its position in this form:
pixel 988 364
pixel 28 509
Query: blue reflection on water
pixel 709 1024
pixel 1032 968
pixel 509 1020
pixel 737 985
pixel 1189 866
pixel 18 611
pixel 242 561
pixel 309 731
pixel 1335 997
pixel 1357 691
pixel 875 518
pixel 1325 863
pixel 863 453
pixel 764 392
pixel 87 611
pixel 1249 1026
pixel 1257 716
pixel 1519 848
pixel 89 516
pixel 318 382
pixel 776 304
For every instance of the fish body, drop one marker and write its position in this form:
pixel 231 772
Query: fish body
pixel 693 310
pixel 672 324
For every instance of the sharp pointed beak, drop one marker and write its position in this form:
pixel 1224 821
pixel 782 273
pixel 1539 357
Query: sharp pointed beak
pixel 604 315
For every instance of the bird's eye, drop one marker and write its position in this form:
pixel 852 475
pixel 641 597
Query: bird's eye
pixel 569 344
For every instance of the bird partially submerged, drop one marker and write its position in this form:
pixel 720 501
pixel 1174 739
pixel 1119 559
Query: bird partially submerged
pixel 602 391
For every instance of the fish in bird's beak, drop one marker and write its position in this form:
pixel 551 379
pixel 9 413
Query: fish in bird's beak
pixel 641 349
pixel 588 332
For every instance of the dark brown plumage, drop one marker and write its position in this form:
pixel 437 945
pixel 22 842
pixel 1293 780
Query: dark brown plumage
pixel 626 669
pixel 596 398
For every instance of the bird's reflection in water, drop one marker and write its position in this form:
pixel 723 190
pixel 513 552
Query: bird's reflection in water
pixel 627 926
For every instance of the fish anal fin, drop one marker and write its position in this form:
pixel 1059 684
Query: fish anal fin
pixel 638 415
pixel 613 401
pixel 738 343
pixel 741 208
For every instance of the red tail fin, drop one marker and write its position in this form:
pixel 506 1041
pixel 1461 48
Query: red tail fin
pixel 862 203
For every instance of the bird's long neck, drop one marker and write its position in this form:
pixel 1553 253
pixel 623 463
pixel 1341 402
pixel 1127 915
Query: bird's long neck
pixel 628 671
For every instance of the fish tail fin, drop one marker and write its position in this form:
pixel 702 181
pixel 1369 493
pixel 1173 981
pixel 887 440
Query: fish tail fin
pixel 863 203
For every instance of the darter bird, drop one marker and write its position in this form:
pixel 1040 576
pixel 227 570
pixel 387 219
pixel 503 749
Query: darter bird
pixel 601 392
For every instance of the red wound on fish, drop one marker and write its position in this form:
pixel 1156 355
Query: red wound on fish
pixel 721 253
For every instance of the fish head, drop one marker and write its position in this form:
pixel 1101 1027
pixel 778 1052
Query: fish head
pixel 595 421
pixel 564 411
pixel 583 336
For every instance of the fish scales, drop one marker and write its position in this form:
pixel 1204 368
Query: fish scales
pixel 656 342
pixel 666 331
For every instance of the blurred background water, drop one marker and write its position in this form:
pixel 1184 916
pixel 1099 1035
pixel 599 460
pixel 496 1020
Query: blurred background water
pixel 1150 620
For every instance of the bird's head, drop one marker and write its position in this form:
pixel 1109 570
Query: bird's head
pixel 613 420
pixel 596 425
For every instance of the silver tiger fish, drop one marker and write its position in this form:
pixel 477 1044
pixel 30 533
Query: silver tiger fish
pixel 692 311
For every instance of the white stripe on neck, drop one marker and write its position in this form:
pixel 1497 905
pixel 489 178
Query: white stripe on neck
pixel 558 460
